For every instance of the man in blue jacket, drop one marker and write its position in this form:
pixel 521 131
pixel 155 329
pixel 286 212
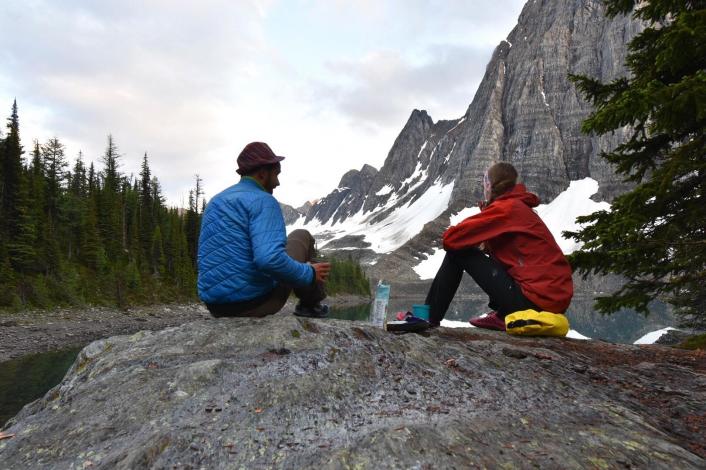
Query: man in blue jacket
pixel 247 264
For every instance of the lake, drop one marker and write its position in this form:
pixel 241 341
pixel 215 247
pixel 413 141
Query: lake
pixel 25 379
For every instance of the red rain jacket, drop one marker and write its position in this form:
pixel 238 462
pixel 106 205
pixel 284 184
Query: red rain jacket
pixel 515 235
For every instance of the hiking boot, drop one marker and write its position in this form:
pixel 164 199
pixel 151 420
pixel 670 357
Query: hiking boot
pixel 315 311
pixel 491 321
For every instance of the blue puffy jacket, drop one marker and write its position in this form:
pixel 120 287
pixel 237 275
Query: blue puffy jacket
pixel 242 246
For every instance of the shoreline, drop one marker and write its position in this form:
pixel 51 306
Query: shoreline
pixel 38 331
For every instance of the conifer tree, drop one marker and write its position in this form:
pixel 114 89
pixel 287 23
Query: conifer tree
pixel 54 160
pixel 37 189
pixel 78 184
pixel 146 208
pixel 157 260
pixel 21 245
pixel 75 208
pixel 193 220
pixel 92 181
pixel 92 252
pixel 55 172
pixel 654 235
pixel 17 228
pixel 111 175
pixel 157 200
pixel 109 208
pixel 132 221
pixel 12 168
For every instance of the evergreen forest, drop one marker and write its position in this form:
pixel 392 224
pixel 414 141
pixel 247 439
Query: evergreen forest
pixel 347 277
pixel 74 234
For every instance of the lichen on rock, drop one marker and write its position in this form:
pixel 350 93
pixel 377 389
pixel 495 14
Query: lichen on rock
pixel 232 393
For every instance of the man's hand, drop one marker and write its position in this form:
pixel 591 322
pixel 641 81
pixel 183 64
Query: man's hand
pixel 322 271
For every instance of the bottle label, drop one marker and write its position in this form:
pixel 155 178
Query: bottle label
pixel 378 315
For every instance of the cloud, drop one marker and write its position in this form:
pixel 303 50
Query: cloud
pixel 157 75
pixel 481 22
pixel 330 83
pixel 380 87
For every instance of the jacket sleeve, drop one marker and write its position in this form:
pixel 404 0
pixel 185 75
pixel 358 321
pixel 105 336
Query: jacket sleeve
pixel 489 223
pixel 269 242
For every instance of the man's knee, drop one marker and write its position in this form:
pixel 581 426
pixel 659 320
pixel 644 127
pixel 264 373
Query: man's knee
pixel 301 234
pixel 300 245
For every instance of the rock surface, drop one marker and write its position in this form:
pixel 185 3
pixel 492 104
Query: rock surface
pixel 287 392
pixel 31 332
pixel 38 331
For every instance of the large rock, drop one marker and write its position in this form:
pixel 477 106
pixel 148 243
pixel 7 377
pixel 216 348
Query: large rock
pixel 289 393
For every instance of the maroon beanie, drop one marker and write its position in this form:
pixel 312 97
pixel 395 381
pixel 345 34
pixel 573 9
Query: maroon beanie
pixel 254 155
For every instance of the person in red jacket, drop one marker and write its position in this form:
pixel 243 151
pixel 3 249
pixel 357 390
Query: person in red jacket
pixel 509 253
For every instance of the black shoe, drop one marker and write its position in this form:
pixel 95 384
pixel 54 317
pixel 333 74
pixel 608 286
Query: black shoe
pixel 316 311
pixel 405 326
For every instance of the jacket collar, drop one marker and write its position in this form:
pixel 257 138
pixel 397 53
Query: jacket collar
pixel 250 181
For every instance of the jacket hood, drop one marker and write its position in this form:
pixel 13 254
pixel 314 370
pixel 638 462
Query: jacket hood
pixel 519 191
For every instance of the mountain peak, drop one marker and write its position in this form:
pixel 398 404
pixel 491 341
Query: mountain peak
pixel 419 117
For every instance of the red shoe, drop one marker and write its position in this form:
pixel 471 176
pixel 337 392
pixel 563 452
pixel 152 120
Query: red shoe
pixel 402 316
pixel 490 321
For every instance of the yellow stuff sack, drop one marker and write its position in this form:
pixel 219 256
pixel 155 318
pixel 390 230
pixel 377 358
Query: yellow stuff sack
pixel 534 323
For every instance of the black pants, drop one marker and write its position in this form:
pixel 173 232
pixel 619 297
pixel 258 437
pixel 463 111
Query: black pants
pixel 490 275
pixel 300 246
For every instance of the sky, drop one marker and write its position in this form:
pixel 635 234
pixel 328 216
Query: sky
pixel 328 84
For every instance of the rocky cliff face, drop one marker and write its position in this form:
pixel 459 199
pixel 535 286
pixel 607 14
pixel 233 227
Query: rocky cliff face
pixel 346 199
pixel 525 112
pixel 290 214
pixel 290 393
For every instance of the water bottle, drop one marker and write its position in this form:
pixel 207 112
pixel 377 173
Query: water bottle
pixel 378 315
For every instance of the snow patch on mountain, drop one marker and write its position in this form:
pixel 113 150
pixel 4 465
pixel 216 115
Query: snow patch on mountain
pixel 653 336
pixel 427 268
pixel 559 215
pixel 448 155
pixel 576 335
pixel 464 214
pixel 416 178
pixel 459 123
pixel 385 190
pixel 392 232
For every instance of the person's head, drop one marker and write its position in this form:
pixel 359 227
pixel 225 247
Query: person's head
pixel 258 161
pixel 498 179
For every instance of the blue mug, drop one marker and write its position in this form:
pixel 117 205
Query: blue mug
pixel 421 311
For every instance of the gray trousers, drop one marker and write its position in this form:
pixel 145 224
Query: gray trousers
pixel 300 246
